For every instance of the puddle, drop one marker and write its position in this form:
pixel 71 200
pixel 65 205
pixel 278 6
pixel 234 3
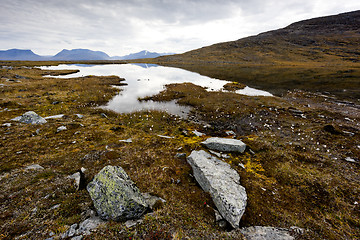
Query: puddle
pixel 147 80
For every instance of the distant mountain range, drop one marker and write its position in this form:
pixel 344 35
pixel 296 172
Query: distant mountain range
pixel 325 39
pixel 73 55
pixel 142 54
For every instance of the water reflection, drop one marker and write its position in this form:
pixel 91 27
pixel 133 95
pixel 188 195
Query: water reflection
pixel 147 80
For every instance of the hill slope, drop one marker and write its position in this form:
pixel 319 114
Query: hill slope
pixel 324 39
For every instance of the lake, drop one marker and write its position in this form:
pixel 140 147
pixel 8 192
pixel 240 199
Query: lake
pixel 147 80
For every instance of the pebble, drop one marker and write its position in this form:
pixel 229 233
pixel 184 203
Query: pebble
pixel 349 159
pixel 132 223
pixel 180 155
pixel 55 206
pixel 61 128
pixel 34 167
pixel 163 136
pixel 55 116
pixel 230 133
pixel 198 134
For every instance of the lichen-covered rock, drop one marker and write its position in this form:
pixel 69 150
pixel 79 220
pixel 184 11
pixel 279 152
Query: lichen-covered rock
pixel 223 184
pixel 266 233
pixel 30 118
pixel 224 144
pixel 115 195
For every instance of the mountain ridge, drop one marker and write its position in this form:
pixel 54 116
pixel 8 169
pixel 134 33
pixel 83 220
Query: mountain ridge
pixel 72 55
pixel 323 39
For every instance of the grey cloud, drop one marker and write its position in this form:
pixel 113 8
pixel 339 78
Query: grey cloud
pixel 119 24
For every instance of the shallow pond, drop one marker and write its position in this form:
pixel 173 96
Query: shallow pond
pixel 147 80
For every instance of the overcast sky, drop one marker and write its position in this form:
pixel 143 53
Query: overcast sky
pixel 120 27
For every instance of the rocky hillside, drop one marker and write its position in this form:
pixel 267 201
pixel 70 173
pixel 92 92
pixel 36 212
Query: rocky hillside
pixel 325 39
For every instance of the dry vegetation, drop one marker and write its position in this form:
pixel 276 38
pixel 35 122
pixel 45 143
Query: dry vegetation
pixel 295 173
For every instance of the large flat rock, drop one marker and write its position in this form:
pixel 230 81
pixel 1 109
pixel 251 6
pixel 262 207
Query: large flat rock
pixel 225 144
pixel 223 184
pixel 115 195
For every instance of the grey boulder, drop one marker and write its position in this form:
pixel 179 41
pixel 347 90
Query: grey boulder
pixel 223 184
pixel 115 195
pixel 225 144
pixel 30 118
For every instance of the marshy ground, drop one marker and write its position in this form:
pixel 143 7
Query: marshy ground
pixel 301 167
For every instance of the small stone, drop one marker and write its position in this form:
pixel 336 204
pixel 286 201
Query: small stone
pixel 180 155
pixel 7 124
pixel 34 167
pixel 198 134
pixel 126 140
pixel 34 210
pixel 215 153
pixel 77 179
pixel 230 133
pixel 153 201
pixel 218 216
pixel 162 136
pixel 104 115
pixel 296 230
pixel 88 225
pixel 349 159
pixel 79 115
pixel 55 206
pixel 72 230
pixel 222 224
pixel 55 116
pixel 77 238
pixel 61 128
pixel 132 223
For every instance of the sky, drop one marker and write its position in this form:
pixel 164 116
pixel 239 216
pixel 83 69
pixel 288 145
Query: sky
pixel 120 27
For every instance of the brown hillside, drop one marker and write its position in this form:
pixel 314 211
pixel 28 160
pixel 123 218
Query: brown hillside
pixel 326 39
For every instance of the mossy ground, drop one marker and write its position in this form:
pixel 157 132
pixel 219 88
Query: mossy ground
pixel 291 177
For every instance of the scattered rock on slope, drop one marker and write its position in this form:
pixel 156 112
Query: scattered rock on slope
pixel 115 195
pixel 225 144
pixel 223 184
